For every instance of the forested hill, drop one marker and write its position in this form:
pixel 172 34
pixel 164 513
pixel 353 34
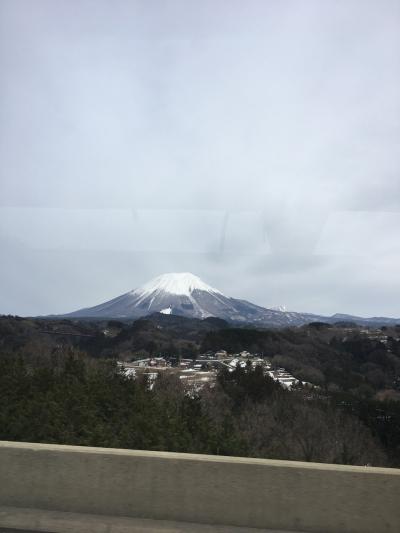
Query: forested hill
pixel 343 357
pixel 66 371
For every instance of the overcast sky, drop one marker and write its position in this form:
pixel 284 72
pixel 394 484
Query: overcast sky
pixel 253 143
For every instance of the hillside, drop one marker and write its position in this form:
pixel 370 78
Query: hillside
pixel 353 372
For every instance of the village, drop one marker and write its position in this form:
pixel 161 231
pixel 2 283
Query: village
pixel 196 373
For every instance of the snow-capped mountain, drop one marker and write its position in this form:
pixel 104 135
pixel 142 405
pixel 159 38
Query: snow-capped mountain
pixel 176 293
pixel 185 294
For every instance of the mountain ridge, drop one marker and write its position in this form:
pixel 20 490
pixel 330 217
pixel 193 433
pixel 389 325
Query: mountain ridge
pixel 185 294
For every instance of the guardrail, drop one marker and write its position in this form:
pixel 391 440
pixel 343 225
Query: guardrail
pixel 203 489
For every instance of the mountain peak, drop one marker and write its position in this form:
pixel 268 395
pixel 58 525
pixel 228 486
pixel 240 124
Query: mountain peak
pixel 184 294
pixel 178 283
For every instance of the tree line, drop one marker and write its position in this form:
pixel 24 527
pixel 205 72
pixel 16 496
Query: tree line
pixel 71 398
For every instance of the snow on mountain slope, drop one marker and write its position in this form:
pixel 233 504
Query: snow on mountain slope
pixel 281 308
pixel 182 284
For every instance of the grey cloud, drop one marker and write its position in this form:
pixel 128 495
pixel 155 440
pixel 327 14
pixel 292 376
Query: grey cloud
pixel 237 132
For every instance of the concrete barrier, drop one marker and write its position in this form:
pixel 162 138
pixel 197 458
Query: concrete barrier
pixel 203 489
